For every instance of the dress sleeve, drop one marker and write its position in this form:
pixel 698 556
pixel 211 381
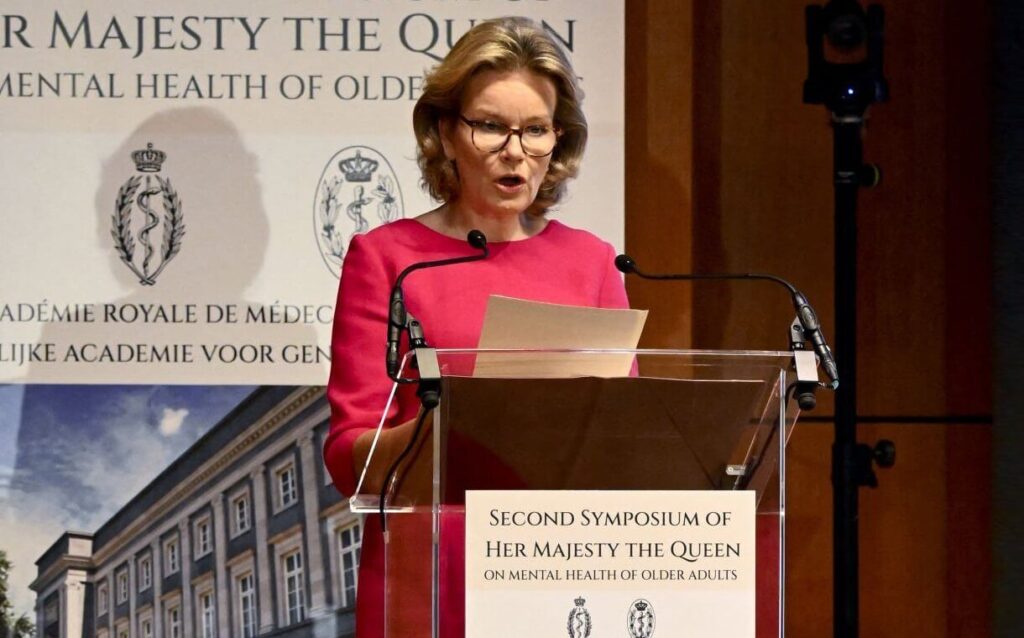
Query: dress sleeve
pixel 613 288
pixel 358 387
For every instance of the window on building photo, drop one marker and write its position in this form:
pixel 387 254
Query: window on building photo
pixel 145 573
pixel 323 462
pixel 204 537
pixel 293 587
pixel 240 511
pixel 349 541
pixel 246 625
pixel 171 557
pixel 122 631
pixel 146 628
pixel 172 622
pixel 122 587
pixel 51 611
pixel 287 493
pixel 102 598
pixel 207 626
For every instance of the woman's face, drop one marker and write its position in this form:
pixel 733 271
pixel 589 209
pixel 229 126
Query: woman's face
pixel 505 182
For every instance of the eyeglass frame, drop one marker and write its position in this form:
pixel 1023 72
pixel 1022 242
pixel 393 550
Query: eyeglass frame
pixel 473 124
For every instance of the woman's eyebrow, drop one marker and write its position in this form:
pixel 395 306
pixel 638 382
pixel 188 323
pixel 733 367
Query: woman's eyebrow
pixel 494 115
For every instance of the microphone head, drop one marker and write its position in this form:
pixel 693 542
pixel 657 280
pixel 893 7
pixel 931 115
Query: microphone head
pixel 625 264
pixel 477 239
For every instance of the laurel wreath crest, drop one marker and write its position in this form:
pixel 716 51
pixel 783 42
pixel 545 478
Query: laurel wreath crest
pixel 585 628
pixel 329 207
pixel 122 217
pixel 174 223
pixel 641 621
pixel 174 226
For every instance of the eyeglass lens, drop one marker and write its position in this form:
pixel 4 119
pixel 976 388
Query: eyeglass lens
pixel 491 137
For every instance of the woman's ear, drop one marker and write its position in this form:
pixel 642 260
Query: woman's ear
pixel 446 129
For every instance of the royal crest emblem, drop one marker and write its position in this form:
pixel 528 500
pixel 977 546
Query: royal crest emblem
pixel 579 620
pixel 143 243
pixel 640 619
pixel 358 190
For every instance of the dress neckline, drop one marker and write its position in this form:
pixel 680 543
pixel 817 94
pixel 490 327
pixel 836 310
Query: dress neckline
pixel 436 233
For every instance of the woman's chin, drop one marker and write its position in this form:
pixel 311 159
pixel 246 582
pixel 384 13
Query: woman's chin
pixel 501 208
pixel 513 202
pixel 497 203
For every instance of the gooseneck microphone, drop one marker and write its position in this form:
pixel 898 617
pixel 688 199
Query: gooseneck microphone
pixel 805 313
pixel 399 318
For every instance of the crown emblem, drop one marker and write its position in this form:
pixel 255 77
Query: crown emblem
pixel 640 620
pixel 149 159
pixel 358 168
pixel 144 244
pixel 358 190
pixel 579 624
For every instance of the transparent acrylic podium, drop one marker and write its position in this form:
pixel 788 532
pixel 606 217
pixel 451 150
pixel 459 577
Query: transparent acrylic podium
pixel 580 420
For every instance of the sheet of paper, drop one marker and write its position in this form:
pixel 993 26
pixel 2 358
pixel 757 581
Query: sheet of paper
pixel 518 324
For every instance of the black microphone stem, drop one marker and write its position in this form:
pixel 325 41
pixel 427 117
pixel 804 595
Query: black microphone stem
pixel 804 312
pixel 399 318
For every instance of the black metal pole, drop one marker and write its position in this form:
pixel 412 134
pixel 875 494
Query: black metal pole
pixel 847 151
pixel 847 89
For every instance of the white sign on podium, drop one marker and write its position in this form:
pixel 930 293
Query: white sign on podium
pixel 610 563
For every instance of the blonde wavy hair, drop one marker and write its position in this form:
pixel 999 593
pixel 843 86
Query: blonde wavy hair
pixel 503 44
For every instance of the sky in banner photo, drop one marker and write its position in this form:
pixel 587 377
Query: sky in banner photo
pixel 72 455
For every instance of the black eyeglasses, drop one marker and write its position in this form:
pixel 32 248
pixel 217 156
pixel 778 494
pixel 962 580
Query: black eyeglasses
pixel 537 140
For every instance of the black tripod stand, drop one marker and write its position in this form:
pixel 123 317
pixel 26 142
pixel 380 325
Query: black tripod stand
pixel 844 47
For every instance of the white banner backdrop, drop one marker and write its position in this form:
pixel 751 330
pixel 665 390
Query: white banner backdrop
pixel 181 178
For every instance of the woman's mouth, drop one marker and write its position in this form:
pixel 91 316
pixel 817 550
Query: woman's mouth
pixel 511 183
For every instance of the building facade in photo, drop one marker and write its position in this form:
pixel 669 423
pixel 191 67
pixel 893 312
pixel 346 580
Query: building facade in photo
pixel 243 535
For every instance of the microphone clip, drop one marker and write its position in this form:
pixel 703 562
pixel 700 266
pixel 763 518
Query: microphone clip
pixel 806 366
pixel 424 361
pixel 428 387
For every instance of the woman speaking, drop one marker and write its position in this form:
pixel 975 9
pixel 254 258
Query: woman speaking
pixel 499 130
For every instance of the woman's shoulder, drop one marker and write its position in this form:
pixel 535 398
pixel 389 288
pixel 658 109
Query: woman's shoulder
pixel 576 238
pixel 399 229
pixel 394 239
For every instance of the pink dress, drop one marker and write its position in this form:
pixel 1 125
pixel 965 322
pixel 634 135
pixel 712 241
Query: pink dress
pixel 558 265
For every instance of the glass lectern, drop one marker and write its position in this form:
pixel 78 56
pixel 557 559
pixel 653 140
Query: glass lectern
pixel 577 420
